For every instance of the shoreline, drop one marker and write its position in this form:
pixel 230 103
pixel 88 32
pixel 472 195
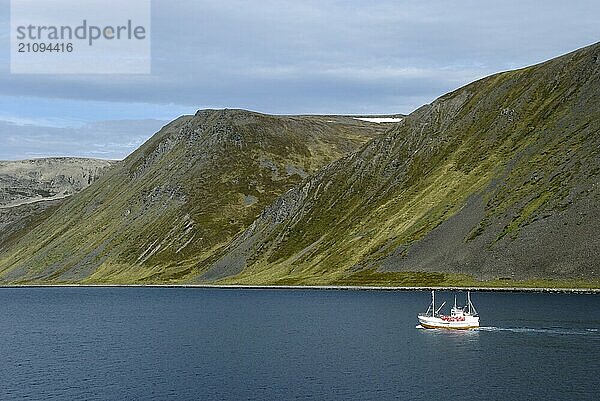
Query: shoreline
pixel 318 288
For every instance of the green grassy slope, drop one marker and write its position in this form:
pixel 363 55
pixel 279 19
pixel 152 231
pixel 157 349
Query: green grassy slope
pixel 498 180
pixel 167 210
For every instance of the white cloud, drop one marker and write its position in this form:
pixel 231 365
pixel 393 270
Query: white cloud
pixel 342 56
pixel 57 122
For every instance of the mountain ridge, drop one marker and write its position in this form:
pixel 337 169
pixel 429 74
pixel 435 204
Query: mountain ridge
pixel 494 182
pixel 509 117
pixel 180 197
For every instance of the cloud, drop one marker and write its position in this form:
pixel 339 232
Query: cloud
pixel 337 56
pixel 102 139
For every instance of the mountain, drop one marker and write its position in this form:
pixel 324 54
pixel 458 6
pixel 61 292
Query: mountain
pixel 29 187
pixel 168 209
pixel 497 181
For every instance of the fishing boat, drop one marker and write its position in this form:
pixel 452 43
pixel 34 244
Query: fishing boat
pixel 460 318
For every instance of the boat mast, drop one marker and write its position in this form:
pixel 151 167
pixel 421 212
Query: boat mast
pixel 432 303
pixel 469 302
pixel 472 309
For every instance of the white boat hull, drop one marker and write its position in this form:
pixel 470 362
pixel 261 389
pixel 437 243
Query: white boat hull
pixel 434 322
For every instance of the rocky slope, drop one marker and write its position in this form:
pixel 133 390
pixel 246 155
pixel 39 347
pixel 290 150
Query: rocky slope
pixel 169 208
pixel 498 180
pixel 29 187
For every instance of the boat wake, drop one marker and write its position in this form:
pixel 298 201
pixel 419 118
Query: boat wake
pixel 554 331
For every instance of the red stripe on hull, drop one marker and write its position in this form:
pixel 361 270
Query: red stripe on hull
pixel 426 326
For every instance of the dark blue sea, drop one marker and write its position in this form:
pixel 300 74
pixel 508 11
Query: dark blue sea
pixel 211 344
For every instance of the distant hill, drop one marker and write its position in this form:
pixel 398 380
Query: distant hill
pixel 29 187
pixel 498 180
pixel 173 204
pixel 27 181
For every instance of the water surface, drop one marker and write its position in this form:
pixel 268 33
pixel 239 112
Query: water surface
pixel 211 344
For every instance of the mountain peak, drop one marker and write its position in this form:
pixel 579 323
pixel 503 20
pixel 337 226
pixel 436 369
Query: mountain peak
pixel 181 197
pixel 212 113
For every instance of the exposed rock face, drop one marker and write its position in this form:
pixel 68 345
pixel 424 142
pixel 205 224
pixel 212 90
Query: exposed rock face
pixel 168 209
pixel 500 178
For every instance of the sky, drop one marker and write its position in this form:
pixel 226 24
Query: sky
pixel 282 57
